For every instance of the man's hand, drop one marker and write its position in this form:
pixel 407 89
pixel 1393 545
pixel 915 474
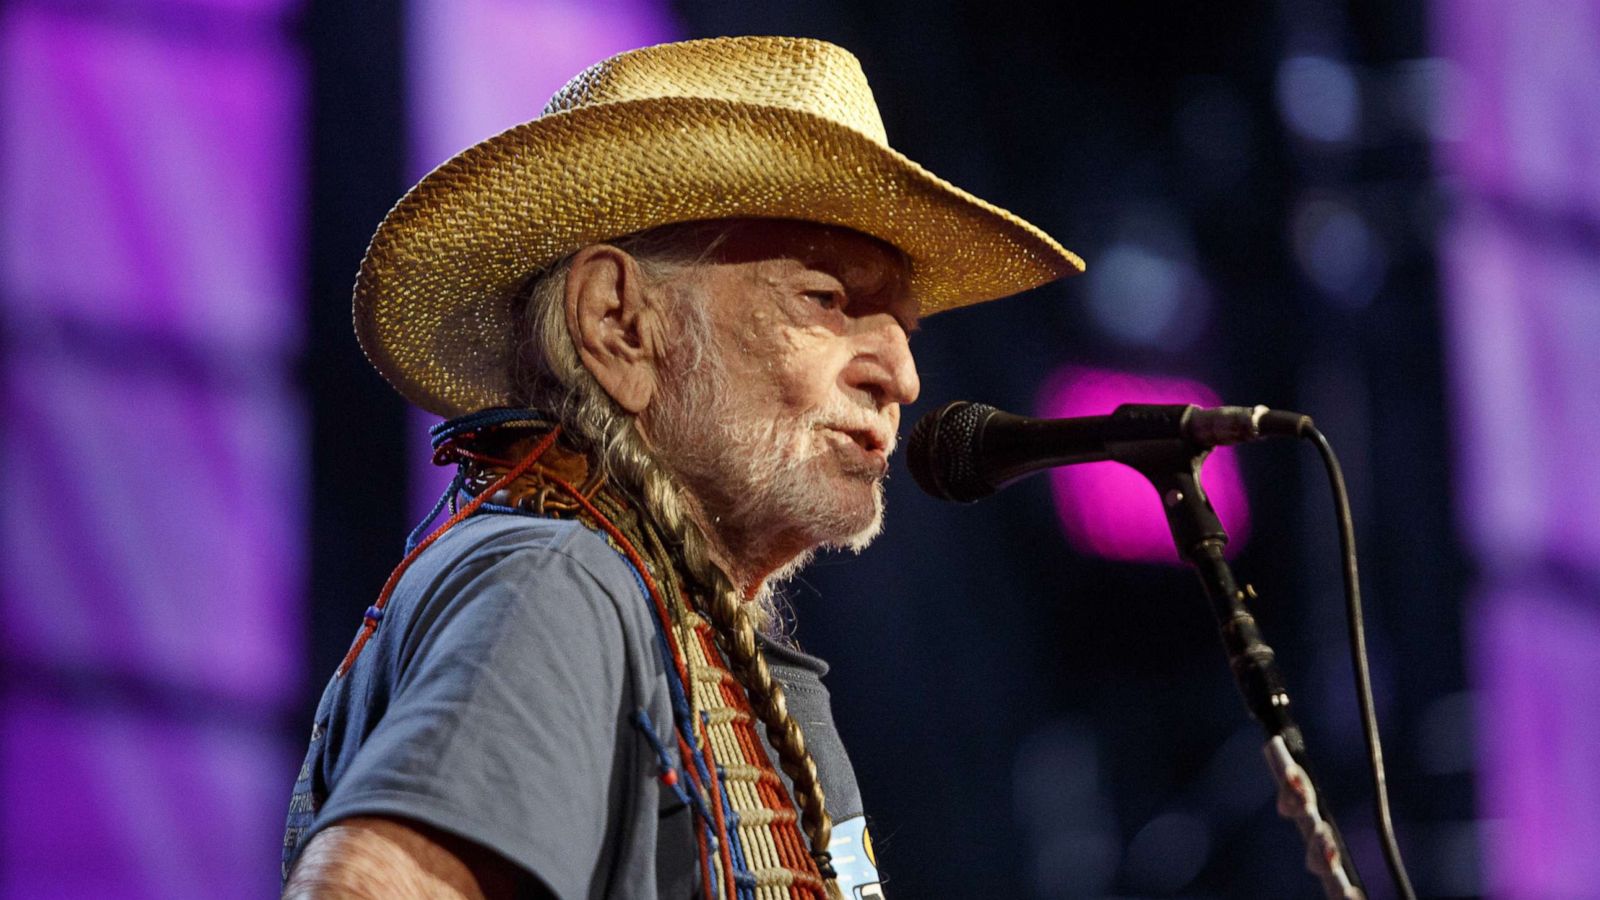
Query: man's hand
pixel 371 858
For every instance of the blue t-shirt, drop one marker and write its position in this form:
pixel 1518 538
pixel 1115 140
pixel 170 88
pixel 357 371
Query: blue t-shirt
pixel 498 701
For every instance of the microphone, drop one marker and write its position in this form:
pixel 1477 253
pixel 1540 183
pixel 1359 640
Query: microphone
pixel 965 451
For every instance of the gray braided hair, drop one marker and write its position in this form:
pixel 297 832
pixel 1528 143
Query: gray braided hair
pixel 549 376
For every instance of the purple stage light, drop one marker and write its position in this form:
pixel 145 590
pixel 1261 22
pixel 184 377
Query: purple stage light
pixel 1110 510
pixel 110 801
pixel 162 539
pixel 1522 277
pixel 1536 672
pixel 479 67
pixel 1521 101
pixel 150 185
pixel 151 560
pixel 1524 319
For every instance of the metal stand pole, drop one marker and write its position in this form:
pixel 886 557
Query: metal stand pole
pixel 1174 468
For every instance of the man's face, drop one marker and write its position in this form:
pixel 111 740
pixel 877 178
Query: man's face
pixel 783 425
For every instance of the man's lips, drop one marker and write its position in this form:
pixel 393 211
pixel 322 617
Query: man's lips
pixel 871 443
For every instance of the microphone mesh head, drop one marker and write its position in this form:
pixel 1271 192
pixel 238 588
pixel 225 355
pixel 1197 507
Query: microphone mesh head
pixel 943 448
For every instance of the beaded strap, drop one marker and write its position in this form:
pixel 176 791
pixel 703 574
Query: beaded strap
pixel 748 839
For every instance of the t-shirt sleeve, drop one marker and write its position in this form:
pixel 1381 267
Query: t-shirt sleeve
pixel 509 692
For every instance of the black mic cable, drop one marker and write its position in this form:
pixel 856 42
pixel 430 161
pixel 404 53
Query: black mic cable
pixel 1358 659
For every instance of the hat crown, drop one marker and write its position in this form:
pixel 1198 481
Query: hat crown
pixel 807 75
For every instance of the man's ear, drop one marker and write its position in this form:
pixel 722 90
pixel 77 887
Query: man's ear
pixel 615 324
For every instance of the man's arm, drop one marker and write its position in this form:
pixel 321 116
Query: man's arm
pixel 372 858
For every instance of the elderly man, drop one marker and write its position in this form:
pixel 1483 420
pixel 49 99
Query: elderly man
pixel 670 318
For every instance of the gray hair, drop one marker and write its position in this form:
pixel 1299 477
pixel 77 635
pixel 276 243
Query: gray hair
pixel 546 372
pixel 549 376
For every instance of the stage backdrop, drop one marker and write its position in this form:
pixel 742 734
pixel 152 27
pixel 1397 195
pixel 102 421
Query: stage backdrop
pixel 1521 263
pixel 152 178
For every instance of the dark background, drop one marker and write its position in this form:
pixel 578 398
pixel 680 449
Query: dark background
pixel 1026 720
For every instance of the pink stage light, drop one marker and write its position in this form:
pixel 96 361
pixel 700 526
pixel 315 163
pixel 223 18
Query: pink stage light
pixel 1110 510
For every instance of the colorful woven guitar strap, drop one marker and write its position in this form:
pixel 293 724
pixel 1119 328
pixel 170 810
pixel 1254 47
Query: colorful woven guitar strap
pixel 747 830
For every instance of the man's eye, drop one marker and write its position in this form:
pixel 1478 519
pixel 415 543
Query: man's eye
pixel 825 299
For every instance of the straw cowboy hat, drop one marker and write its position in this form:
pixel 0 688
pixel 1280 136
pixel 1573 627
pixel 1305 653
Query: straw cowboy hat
pixel 729 127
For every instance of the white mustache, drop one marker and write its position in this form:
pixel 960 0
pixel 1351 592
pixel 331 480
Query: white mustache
pixel 839 415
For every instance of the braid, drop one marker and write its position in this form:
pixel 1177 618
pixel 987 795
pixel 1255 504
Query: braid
pixel 738 640
pixel 735 630
pixel 549 376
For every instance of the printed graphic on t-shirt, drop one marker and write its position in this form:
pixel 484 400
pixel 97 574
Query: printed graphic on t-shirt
pixel 853 860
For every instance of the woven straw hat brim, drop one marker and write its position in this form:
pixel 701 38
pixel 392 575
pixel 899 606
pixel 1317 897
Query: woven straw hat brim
pixel 435 298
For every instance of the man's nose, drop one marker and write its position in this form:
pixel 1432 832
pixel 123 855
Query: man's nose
pixel 883 364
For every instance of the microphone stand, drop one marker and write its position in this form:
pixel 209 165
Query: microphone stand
pixel 1174 468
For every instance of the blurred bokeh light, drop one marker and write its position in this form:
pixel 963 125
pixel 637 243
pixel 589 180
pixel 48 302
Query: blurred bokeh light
pixel 1384 214
pixel 1110 510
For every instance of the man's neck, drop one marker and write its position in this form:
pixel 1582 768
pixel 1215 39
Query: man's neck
pixel 748 556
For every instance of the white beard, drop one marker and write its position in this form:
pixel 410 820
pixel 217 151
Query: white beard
pixel 763 480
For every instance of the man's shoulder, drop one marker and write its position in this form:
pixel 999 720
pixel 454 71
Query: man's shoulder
pixel 501 580
pixel 492 539
pixel 515 570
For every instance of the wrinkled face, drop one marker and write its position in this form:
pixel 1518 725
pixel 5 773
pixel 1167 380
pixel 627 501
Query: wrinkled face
pixel 783 426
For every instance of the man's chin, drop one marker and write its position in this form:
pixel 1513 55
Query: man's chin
pixel 871 524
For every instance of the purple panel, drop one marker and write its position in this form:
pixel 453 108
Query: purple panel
pixel 479 67
pixel 1109 509
pixel 256 13
pixel 1522 102
pixel 152 527
pixel 1535 659
pixel 104 803
pixel 150 185
pixel 1524 322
